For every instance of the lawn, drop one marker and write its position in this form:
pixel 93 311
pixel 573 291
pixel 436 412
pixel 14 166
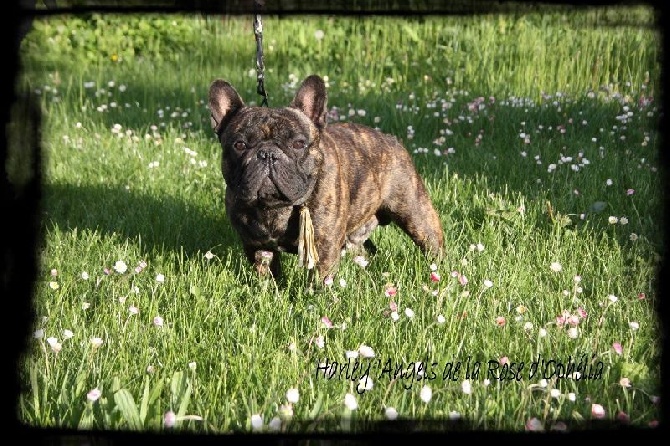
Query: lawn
pixel 537 136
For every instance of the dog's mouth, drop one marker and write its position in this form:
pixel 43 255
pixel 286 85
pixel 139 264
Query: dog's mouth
pixel 274 180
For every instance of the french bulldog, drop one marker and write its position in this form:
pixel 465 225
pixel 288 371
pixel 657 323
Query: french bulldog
pixel 287 172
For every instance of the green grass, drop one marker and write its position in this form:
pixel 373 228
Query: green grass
pixel 132 174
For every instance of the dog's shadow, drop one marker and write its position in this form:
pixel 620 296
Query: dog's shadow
pixel 156 224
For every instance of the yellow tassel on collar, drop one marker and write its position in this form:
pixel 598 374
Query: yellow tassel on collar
pixel 307 255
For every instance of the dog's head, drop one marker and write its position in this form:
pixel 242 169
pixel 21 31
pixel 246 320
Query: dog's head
pixel 271 156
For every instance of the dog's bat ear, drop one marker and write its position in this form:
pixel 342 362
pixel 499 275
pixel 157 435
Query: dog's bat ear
pixel 311 99
pixel 223 101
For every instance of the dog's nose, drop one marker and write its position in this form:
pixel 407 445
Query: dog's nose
pixel 268 155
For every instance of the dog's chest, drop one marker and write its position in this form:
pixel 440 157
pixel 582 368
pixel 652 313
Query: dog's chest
pixel 270 229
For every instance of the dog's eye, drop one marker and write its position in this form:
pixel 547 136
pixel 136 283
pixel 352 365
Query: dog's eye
pixel 239 145
pixel 298 144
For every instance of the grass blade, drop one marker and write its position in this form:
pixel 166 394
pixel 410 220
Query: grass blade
pixel 126 405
